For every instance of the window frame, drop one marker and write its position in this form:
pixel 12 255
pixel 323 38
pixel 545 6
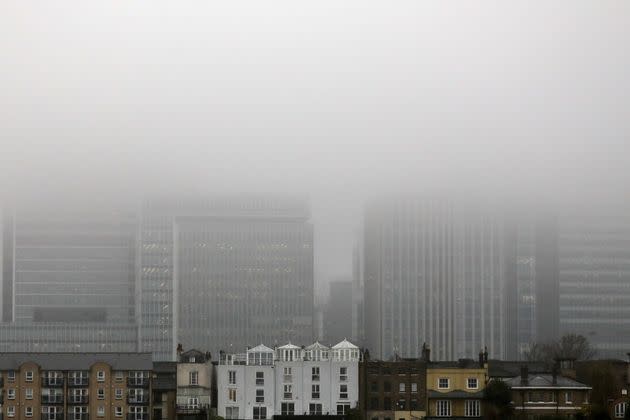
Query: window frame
pixel 448 383
pixel 193 374
pixel 443 408
pixel 472 408
pixel 472 379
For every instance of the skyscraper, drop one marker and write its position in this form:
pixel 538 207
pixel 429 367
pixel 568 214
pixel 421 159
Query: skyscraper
pixel 225 272
pixel 434 273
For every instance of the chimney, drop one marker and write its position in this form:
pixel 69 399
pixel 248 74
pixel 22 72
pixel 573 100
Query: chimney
pixel 554 374
pixel 485 355
pixel 480 358
pixel 524 375
pixel 180 350
pixel 426 353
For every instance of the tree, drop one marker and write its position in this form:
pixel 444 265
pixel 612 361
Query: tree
pixel 570 346
pixel 498 397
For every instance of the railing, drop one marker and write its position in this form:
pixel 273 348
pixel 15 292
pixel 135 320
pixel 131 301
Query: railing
pixel 78 381
pixel 78 399
pixel 56 416
pixel 78 416
pixel 138 382
pixel 52 382
pixel 192 409
pixel 52 399
pixel 138 399
pixel 137 416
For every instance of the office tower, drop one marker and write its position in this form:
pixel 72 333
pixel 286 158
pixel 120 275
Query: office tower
pixel 68 280
pixel 338 313
pixel 358 292
pixel 594 250
pixel 434 273
pixel 224 273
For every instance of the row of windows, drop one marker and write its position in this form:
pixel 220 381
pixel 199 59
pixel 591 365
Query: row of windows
pixel 387 387
pixel 472 408
pixel 78 411
pixel 288 375
pixel 287 409
pixel 401 404
pixel 288 393
pixel 75 394
pixel 54 377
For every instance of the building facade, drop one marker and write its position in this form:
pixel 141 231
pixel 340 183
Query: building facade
pixel 289 380
pixel 81 386
pixel 434 273
pixel 194 383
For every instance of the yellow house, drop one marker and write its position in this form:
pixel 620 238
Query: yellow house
pixel 455 389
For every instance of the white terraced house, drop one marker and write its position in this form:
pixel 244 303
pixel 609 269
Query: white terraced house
pixel 289 380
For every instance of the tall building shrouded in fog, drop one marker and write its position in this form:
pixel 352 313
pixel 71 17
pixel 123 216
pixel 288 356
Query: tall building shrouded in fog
pixel 434 273
pixel 225 273
pixel 595 280
pixel 338 312
pixel 68 280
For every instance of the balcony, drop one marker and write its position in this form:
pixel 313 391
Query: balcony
pixel 138 399
pixel 192 409
pixel 138 382
pixel 78 416
pixel 52 399
pixel 55 416
pixel 78 382
pixel 78 399
pixel 52 382
pixel 137 416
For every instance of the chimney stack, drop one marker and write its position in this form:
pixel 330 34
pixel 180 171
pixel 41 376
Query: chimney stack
pixel 524 375
pixel 480 358
pixel 426 353
pixel 554 374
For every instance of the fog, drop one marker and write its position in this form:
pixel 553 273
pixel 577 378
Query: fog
pixel 339 101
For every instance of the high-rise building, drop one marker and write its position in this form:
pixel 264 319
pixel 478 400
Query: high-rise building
pixel 68 280
pixel 338 313
pixel 224 273
pixel 358 292
pixel 435 274
pixel 594 260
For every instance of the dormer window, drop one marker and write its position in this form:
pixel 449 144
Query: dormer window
pixel 191 359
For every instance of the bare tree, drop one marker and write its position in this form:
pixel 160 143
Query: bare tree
pixel 570 346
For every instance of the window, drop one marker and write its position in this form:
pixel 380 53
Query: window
pixel 472 383
pixel 11 411
pixel 343 392
pixel 119 375
pixel 11 393
pixel 232 377
pixel 401 387
pixel 373 403
pixel 472 408
pixel 620 410
pixel 342 409
pixel 260 378
pixel 387 386
pixel 414 405
pixel 443 408
pixel 343 374
pixel 100 411
pixel 260 413
pixel 401 404
pixel 315 374
pixel 260 395
pixel 387 403
pixel 79 413
pixel 29 393
pixel 118 393
pixel 28 411
pixel 287 375
pixel 193 378
pixel 315 392
pixel 414 388
pixel 287 370
pixel 288 392
pixel 443 383
pixel 11 377
pixel 232 394
pixel 315 409
pixel 28 377
pixel 191 359
pixel 568 397
pixel 373 386
pixel 100 393
pixel 118 411
pixel 192 403
pixel 100 376
pixel 287 409
pixel 231 412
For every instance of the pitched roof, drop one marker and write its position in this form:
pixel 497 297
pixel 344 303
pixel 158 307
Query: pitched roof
pixel 508 369
pixel 345 344
pixel 77 361
pixel 317 346
pixel 260 348
pixel 545 381
pixel 289 346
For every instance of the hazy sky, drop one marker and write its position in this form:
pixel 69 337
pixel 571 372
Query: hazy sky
pixel 336 99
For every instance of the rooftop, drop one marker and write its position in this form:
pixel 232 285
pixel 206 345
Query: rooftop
pixel 78 361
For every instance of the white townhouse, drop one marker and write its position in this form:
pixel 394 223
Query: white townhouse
pixel 291 380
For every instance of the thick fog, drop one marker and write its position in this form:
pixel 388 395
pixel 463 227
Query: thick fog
pixel 335 100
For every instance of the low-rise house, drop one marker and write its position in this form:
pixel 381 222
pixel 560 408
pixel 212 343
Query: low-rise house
pixel 164 390
pixel 610 380
pixel 194 382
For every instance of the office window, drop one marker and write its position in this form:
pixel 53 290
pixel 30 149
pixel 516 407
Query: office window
pixel 315 374
pixel 11 375
pixel 231 412
pixel 28 411
pixel 260 413
pixel 315 409
pixel 232 394
pixel 472 408
pixel 118 393
pixel 28 377
pixel 260 378
pixel 568 397
pixel 11 393
pixel 288 392
pixel 28 393
pixel 193 378
pixel 100 376
pixel 443 408
pixel 232 377
pixel 100 411
pixel 342 409
pixel 315 392
pixel 343 392
pixel 287 409
pixel 260 395
pixel 401 387
pixel 100 393
pixel 414 388
pixel 343 374
pixel 443 383
pixel 472 383
pixel 11 411
pixel 118 411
